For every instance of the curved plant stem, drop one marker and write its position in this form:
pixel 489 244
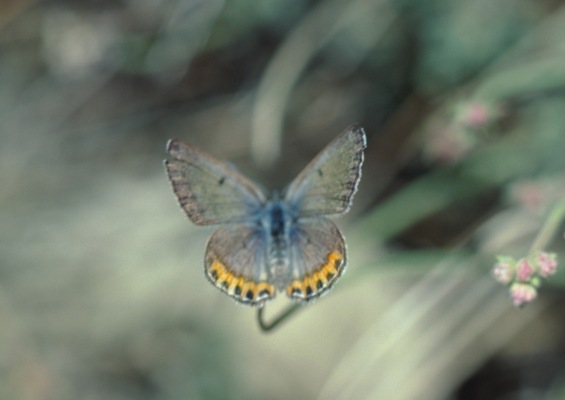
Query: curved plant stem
pixel 548 230
pixel 267 327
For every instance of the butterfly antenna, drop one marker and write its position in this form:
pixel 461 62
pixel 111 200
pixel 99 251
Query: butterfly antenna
pixel 267 327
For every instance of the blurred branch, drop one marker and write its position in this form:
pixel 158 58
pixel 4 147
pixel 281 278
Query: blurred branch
pixel 510 157
pixel 534 76
pixel 535 63
pixel 275 88
pixel 420 337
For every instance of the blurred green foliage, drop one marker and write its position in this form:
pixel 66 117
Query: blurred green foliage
pixel 101 287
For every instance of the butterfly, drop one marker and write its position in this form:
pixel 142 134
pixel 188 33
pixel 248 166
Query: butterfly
pixel 265 245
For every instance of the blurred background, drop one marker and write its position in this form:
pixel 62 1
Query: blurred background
pixel 102 293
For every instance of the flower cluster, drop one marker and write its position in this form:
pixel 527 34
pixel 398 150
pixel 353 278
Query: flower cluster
pixel 523 277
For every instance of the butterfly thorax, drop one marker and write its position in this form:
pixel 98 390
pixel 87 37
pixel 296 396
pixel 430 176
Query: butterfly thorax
pixel 277 222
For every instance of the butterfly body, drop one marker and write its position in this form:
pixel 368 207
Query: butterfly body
pixel 266 245
pixel 278 223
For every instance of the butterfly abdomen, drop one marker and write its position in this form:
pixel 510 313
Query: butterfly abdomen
pixel 277 222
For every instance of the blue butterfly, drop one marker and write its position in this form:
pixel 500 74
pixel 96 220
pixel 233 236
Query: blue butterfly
pixel 264 245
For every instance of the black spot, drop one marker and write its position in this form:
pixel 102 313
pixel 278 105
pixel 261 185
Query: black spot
pixel 237 290
pixel 222 180
pixel 296 291
pixel 213 274
pixel 319 284
pixel 330 276
pixel 309 291
pixel 320 172
pixel 224 285
pixel 264 293
pixel 249 295
pixel 337 263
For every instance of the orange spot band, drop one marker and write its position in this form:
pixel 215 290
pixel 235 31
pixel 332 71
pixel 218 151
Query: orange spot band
pixel 245 291
pixel 319 281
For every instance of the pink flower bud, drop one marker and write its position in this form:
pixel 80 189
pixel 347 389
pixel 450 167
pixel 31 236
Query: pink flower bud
pixel 522 293
pixel 529 194
pixel 503 270
pixel 524 270
pixel 448 145
pixel 547 263
pixel 476 115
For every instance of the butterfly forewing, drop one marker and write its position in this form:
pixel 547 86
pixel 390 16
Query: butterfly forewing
pixel 318 257
pixel 209 191
pixel 327 185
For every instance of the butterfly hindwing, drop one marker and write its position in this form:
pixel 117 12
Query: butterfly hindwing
pixel 236 262
pixel 318 257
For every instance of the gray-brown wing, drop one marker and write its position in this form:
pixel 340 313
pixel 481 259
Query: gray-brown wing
pixel 208 190
pixel 318 257
pixel 235 262
pixel 327 185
